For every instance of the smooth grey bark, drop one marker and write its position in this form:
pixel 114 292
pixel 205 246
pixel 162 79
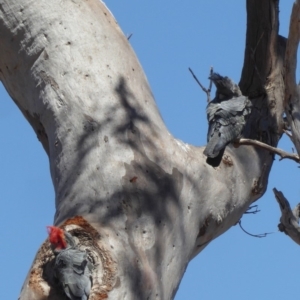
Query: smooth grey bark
pixel 143 202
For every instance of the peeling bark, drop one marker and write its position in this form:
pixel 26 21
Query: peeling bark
pixel 290 218
pixel 262 78
pixel 152 199
pixel 292 91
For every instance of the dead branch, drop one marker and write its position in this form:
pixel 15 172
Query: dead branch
pixel 205 90
pixel 253 209
pixel 288 134
pixel 283 154
pixel 210 81
pixel 260 235
pixel 292 95
pixel 289 218
pixel 253 58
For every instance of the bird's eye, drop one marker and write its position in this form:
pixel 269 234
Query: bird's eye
pixel 61 264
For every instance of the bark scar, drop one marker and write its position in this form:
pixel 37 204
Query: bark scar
pixel 49 80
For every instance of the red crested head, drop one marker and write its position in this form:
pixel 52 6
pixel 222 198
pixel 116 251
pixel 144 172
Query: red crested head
pixel 57 237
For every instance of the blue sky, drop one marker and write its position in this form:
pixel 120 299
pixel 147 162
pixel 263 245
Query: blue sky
pixel 168 37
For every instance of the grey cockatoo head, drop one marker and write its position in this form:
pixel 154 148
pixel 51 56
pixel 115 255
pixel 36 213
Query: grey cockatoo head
pixel 226 88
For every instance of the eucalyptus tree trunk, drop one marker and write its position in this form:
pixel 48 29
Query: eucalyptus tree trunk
pixel 142 203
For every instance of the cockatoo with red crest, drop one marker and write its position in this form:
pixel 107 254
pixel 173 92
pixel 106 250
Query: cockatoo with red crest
pixel 72 267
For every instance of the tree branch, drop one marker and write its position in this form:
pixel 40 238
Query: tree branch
pixel 289 218
pixel 260 235
pixel 138 179
pixel 205 90
pixel 128 175
pixel 292 95
pixel 283 154
pixel 253 209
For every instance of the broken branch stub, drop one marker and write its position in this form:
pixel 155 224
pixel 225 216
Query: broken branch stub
pixel 289 218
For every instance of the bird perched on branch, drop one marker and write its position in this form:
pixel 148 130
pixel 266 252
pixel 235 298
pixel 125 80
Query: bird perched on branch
pixel 226 114
pixel 72 267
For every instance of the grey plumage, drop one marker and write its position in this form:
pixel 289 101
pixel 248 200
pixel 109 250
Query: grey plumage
pixel 226 115
pixel 71 269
